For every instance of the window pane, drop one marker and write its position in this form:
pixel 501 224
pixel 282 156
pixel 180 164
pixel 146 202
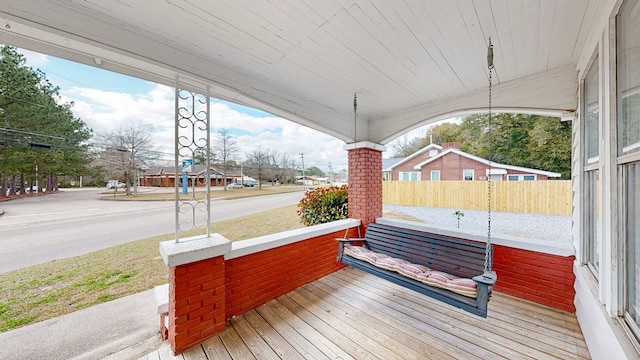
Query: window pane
pixel 632 179
pixel 435 175
pixel 467 174
pixel 592 221
pixel 512 177
pixel 591 111
pixel 628 77
pixel 529 177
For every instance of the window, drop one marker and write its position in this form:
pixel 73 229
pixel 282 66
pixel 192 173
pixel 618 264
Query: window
pixel 628 130
pixel 409 176
pixel 628 77
pixel 467 174
pixel 591 111
pixel 631 179
pixel 592 222
pixel 521 177
pixel 435 175
pixel 591 209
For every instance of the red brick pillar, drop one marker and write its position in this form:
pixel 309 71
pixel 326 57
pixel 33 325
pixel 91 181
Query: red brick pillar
pixel 365 181
pixel 198 311
pixel 196 289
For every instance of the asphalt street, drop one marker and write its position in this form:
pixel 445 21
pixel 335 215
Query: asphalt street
pixel 74 222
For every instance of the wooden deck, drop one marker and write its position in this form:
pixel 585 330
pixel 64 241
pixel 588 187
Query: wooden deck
pixel 354 315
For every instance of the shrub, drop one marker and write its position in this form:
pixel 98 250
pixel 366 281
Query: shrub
pixel 324 204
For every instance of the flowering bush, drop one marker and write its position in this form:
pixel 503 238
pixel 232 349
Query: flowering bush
pixel 324 204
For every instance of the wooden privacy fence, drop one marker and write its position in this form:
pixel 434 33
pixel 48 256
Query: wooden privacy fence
pixel 552 197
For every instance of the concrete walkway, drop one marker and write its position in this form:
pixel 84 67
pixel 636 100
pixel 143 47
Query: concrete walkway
pixel 126 328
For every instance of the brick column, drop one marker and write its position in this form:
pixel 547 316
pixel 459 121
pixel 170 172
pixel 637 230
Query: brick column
pixel 196 289
pixel 365 181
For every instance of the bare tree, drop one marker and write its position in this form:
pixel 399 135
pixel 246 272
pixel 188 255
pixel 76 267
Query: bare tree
pixel 401 146
pixel 224 148
pixel 126 151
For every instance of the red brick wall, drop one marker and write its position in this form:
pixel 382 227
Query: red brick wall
pixel 198 310
pixel 365 184
pixel 408 166
pixel 451 166
pixel 254 279
pixel 542 278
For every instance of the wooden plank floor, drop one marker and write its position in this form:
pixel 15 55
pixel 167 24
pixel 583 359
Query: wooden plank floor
pixel 354 315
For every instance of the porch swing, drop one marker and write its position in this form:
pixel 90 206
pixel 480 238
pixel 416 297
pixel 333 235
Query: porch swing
pixel 456 271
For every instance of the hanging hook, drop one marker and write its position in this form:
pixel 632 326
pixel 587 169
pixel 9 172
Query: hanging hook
pixel 355 102
pixel 490 55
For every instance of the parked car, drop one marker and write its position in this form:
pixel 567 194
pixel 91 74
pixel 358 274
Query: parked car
pixel 112 184
pixel 234 186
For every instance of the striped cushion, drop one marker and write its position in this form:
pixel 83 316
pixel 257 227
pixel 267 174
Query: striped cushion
pixel 462 286
pixel 439 278
pixel 364 254
pixel 414 271
pixel 390 263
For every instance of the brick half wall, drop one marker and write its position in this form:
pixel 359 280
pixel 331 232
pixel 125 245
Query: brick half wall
pixel 546 279
pixel 254 279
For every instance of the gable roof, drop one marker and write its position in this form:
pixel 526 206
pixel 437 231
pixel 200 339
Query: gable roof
pixel 415 154
pixel 491 164
pixel 388 164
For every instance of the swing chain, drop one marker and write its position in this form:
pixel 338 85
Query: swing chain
pixel 487 253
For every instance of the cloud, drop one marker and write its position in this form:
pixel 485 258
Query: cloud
pixel 105 111
pixel 34 59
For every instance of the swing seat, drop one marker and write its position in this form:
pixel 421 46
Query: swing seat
pixel 448 269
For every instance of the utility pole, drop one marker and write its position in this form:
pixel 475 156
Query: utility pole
pixel 259 167
pixel 303 177
pixel 330 174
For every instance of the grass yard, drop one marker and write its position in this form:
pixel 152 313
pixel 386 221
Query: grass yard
pixel 59 287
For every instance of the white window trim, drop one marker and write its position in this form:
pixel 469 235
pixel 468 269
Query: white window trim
pixel 520 177
pixel 434 172
pixel 401 174
pixel 473 175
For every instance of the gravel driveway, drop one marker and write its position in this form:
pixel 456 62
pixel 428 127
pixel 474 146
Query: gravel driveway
pixel 552 228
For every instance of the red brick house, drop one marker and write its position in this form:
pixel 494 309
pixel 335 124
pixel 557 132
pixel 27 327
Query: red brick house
pixel 165 177
pixel 448 162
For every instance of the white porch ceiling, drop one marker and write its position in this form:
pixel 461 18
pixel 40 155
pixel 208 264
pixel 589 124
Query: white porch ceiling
pixel 410 62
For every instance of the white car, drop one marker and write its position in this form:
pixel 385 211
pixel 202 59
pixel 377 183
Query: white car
pixel 234 186
pixel 112 184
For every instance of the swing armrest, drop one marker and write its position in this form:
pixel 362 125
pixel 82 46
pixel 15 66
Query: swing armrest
pixel 342 242
pixel 489 278
pixel 349 240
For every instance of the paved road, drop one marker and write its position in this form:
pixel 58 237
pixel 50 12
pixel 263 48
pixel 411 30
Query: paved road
pixel 75 222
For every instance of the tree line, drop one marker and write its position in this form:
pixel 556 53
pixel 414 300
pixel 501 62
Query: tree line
pixel 40 139
pixel 532 141
pixel 262 164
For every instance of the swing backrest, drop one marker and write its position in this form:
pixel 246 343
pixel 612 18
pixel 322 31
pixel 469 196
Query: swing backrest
pixel 456 256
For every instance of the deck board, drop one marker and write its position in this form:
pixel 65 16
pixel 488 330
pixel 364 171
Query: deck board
pixel 354 315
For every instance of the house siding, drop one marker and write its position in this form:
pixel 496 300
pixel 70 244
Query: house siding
pixel 452 165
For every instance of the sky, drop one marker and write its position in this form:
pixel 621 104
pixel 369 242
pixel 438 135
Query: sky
pixel 108 101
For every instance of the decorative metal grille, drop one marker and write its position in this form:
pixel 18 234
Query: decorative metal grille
pixel 192 137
